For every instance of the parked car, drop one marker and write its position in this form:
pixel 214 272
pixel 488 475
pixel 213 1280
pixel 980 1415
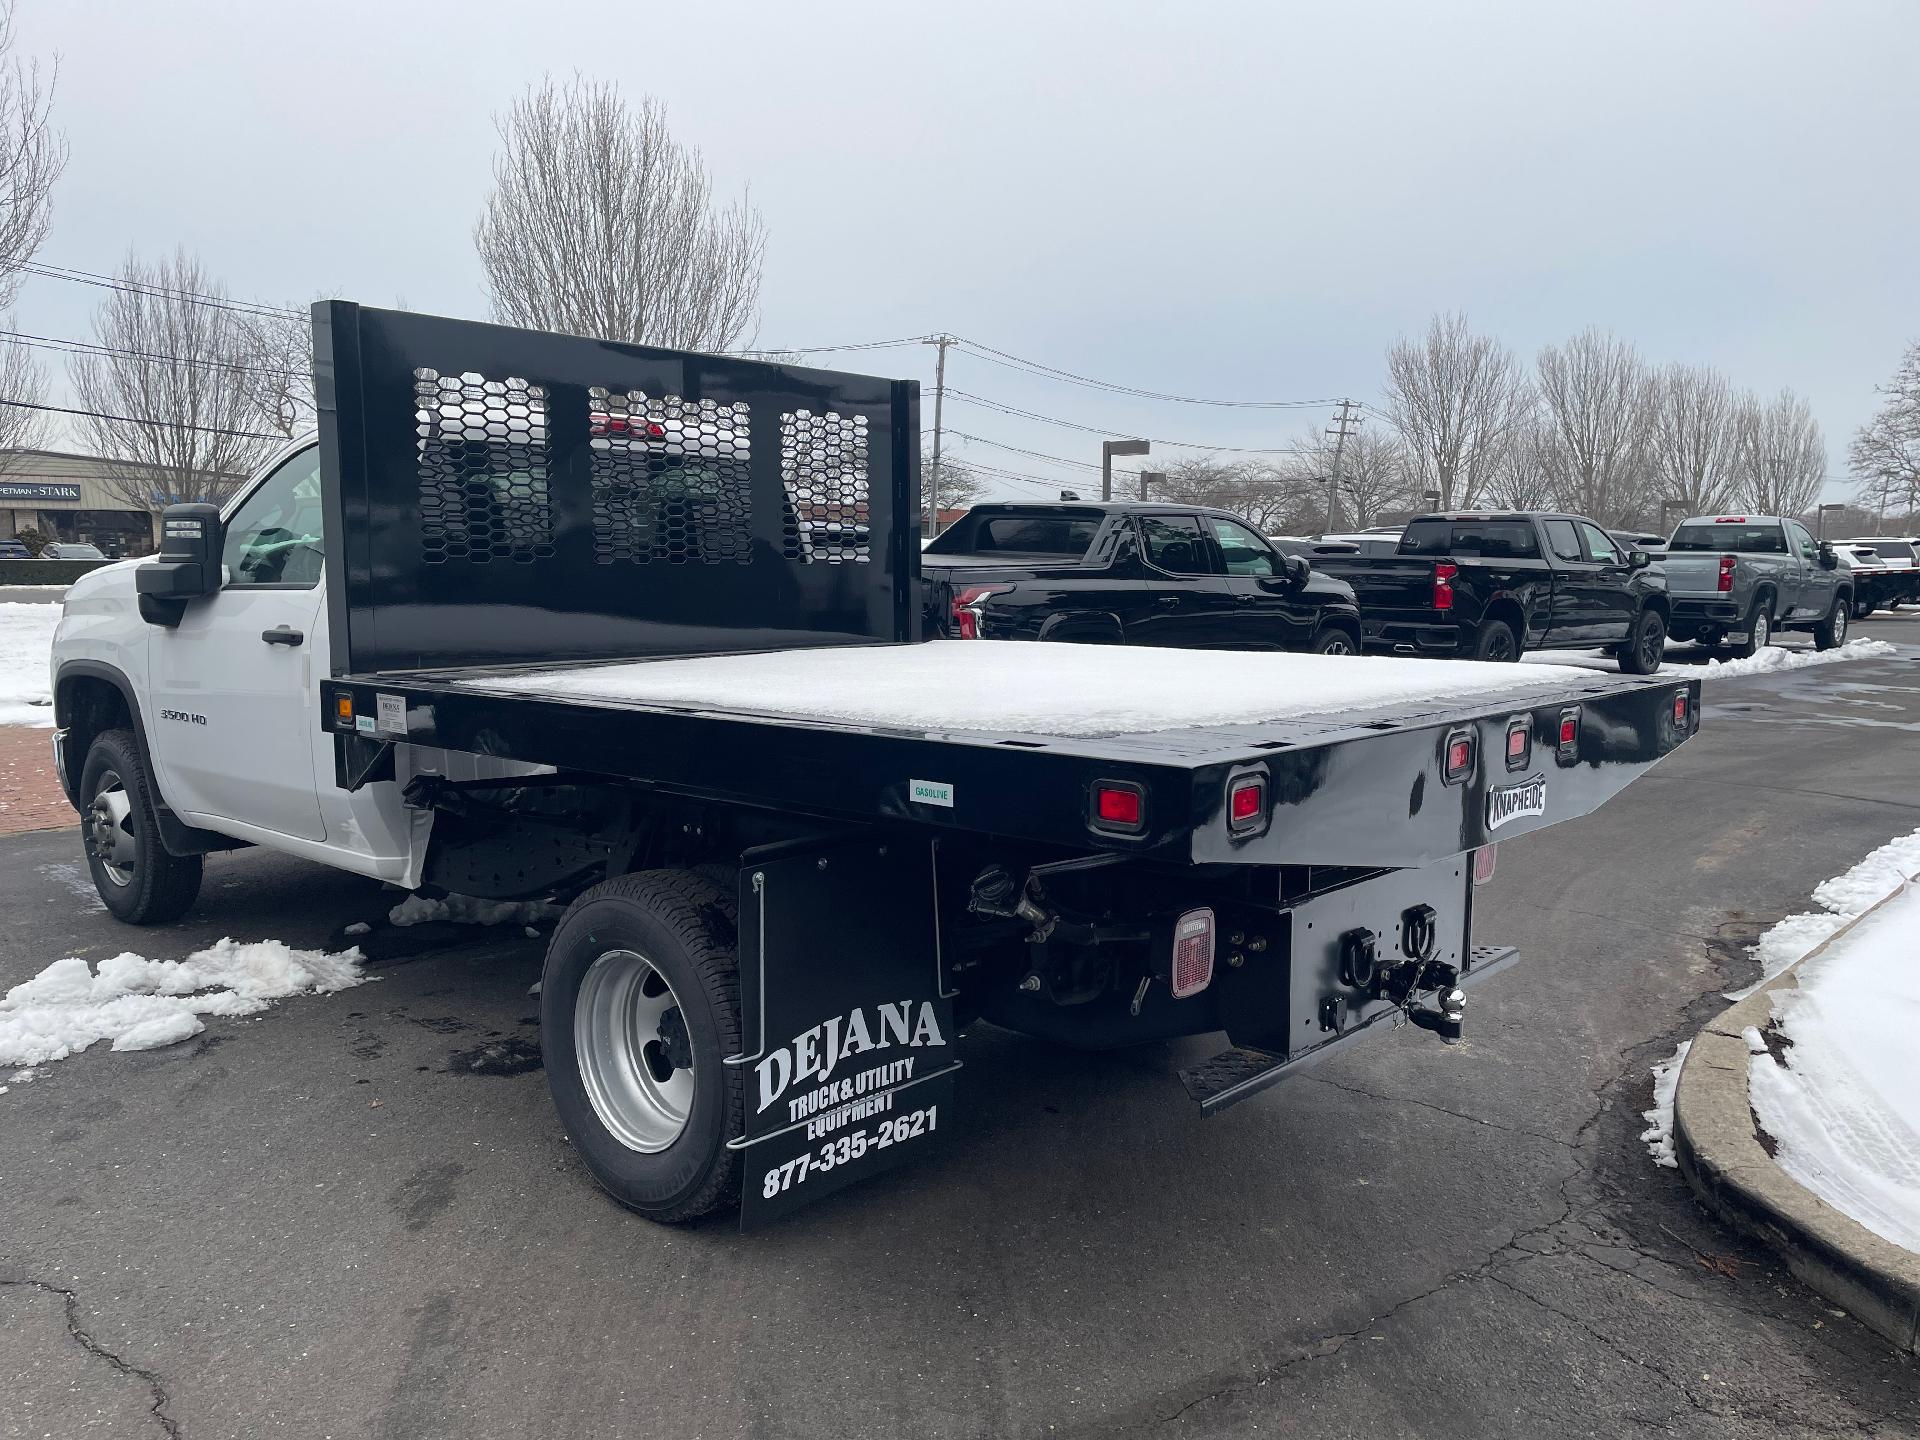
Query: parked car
pixel 1902 559
pixel 1874 583
pixel 1307 549
pixel 1366 542
pixel 1654 545
pixel 70 550
pixel 1739 579
pixel 14 550
pixel 1493 586
pixel 1134 574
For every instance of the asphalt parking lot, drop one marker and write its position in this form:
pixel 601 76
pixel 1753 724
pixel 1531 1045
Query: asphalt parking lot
pixel 355 1215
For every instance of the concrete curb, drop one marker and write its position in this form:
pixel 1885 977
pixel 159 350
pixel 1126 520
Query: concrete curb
pixel 1717 1143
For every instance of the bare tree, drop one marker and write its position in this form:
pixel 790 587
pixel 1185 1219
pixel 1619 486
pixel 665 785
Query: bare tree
pixel 960 484
pixel 1259 492
pixel 1691 438
pixel 1885 454
pixel 1780 454
pixel 172 400
pixel 276 360
pixel 1456 399
pixel 1595 391
pixel 601 223
pixel 1533 470
pixel 32 155
pixel 1374 474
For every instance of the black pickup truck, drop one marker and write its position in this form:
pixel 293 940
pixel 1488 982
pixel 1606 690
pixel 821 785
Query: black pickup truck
pixel 1133 574
pixel 1492 586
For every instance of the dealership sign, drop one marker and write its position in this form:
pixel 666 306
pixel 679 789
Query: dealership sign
pixel 20 490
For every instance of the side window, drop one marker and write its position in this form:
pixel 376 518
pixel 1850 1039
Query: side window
pixel 274 537
pixel 1599 547
pixel 1174 544
pixel 1563 538
pixel 1802 541
pixel 1245 552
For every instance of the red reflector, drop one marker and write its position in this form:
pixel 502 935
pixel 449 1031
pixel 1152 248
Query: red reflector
pixel 1569 730
pixel 1680 708
pixel 1459 756
pixel 1517 742
pixel 1192 968
pixel 1246 801
pixel 1117 807
pixel 1484 860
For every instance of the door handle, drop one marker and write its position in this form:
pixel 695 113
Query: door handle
pixel 1169 600
pixel 282 635
pixel 1244 599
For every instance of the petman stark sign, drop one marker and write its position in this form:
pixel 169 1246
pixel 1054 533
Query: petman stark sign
pixel 847 1032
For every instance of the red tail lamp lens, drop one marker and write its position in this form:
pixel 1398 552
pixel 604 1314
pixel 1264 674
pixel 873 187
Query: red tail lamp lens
pixel 1519 744
pixel 1119 805
pixel 1680 709
pixel 968 623
pixel 1192 968
pixel 1725 583
pixel 1459 756
pixel 1247 804
pixel 1443 573
pixel 1569 733
pixel 1485 860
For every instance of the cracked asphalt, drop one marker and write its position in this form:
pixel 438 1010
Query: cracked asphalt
pixel 323 1221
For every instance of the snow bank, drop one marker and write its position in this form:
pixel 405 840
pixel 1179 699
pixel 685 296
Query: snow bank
pixel 26 646
pixel 1659 1132
pixel 1843 897
pixel 1762 662
pixel 1844 1107
pixel 1036 689
pixel 142 1004
pixel 466 910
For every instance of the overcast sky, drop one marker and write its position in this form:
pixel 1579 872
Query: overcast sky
pixel 1245 201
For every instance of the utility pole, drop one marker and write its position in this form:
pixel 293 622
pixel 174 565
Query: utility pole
pixel 939 394
pixel 1342 427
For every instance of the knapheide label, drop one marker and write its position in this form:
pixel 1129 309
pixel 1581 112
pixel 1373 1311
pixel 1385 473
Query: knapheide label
pixel 1510 802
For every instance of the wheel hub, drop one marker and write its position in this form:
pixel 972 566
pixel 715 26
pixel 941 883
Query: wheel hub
pixel 634 1052
pixel 109 830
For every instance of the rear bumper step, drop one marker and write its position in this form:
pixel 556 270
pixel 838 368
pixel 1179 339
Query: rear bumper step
pixel 1241 1072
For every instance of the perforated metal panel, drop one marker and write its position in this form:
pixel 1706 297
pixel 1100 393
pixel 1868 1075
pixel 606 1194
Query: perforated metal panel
pixel 501 496
pixel 481 449
pixel 672 479
pixel 826 469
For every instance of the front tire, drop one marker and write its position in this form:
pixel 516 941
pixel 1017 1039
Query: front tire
pixel 1832 631
pixel 639 1007
pixel 1646 645
pixel 138 880
pixel 1759 632
pixel 1496 643
pixel 1332 641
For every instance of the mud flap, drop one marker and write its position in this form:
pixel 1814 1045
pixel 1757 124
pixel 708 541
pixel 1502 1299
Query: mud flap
pixel 851 1061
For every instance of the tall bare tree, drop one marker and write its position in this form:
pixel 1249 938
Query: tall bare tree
pixel 173 401
pixel 960 484
pixel 1374 473
pixel 1594 391
pixel 601 223
pixel 32 155
pixel 276 354
pixel 1534 468
pixel 1691 438
pixel 1456 399
pixel 1885 453
pixel 1259 492
pixel 1780 454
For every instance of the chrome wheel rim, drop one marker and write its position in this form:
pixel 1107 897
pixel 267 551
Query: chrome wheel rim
pixel 1839 624
pixel 1336 645
pixel 1762 629
pixel 109 830
pixel 634 1053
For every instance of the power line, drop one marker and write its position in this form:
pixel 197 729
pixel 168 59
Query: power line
pixel 89 347
pixel 137 420
pixel 1031 454
pixel 146 288
pixel 1014 410
pixel 992 356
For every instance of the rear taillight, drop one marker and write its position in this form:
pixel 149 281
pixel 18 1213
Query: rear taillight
pixel 968 607
pixel 1443 573
pixel 1681 709
pixel 1459 758
pixel 1192 967
pixel 1484 861
pixel 1725 584
pixel 1119 806
pixel 1569 745
pixel 1247 804
pixel 1519 743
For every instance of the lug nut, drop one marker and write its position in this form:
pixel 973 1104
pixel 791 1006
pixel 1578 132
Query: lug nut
pixel 1236 960
pixel 1032 982
pixel 1257 944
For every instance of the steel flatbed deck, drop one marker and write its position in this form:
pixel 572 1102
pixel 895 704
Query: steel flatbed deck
pixel 863 740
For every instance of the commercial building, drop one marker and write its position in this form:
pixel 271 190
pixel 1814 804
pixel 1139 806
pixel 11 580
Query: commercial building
pixel 78 497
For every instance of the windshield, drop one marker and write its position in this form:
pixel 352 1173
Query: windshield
pixel 1741 539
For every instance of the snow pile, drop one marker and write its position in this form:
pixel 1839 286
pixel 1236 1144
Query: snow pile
pixel 466 910
pixel 1036 689
pixel 1762 662
pixel 142 1004
pixel 1659 1132
pixel 26 648
pixel 1844 1107
pixel 1843 897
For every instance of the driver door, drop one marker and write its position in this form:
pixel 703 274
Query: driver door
pixel 235 693
pixel 1269 613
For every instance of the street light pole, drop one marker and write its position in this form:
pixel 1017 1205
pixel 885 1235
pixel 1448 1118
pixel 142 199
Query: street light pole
pixel 1153 476
pixel 1109 449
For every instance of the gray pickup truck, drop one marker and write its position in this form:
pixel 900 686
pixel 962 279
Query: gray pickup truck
pixel 1740 579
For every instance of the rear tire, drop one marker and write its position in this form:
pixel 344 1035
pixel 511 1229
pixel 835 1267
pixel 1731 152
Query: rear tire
pixel 1759 631
pixel 644 1095
pixel 1495 642
pixel 1646 645
pixel 1332 641
pixel 138 881
pixel 1832 631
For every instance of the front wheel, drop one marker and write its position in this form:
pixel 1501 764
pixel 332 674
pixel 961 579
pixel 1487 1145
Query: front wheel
pixel 639 1008
pixel 1759 632
pixel 138 880
pixel 1332 641
pixel 1832 631
pixel 1646 645
pixel 1495 642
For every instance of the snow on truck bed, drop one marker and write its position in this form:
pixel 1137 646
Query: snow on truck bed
pixel 1063 690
